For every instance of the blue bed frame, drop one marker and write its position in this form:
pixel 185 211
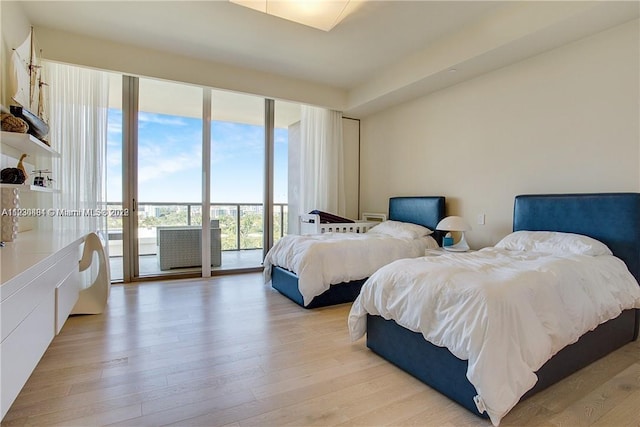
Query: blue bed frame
pixel 422 210
pixel 612 218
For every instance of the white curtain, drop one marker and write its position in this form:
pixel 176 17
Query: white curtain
pixel 78 105
pixel 321 161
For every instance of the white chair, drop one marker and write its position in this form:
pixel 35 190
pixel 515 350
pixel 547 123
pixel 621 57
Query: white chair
pixel 93 299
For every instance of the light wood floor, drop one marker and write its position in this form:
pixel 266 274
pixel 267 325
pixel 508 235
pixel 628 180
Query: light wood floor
pixel 231 351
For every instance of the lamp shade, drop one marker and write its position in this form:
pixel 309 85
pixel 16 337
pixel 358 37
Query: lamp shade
pixel 453 223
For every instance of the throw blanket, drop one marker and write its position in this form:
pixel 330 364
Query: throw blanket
pixel 320 260
pixel 506 312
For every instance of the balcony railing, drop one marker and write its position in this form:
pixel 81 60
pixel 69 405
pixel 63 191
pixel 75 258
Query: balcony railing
pixel 241 224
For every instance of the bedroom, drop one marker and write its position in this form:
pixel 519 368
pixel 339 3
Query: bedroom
pixel 578 101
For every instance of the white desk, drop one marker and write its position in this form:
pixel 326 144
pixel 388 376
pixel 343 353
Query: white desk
pixel 39 285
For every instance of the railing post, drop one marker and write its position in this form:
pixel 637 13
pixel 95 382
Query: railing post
pixel 281 220
pixel 237 227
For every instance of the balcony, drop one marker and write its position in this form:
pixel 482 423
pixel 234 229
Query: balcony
pixel 241 229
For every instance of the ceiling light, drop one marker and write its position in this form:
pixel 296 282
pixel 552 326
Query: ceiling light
pixel 320 14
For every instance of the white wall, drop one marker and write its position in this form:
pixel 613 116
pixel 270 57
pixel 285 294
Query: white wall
pixel 68 48
pixel 563 121
pixel 351 147
pixel 15 29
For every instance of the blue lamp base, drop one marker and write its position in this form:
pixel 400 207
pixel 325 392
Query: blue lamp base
pixel 461 246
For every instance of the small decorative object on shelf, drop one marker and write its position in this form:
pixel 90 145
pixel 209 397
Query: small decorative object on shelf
pixel 9 221
pixel 21 166
pixel 11 123
pixel 12 176
pixel 28 88
pixel 36 126
pixel 42 180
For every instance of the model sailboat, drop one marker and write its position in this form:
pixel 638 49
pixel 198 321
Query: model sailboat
pixel 29 88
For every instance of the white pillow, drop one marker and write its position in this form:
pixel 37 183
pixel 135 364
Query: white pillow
pixel 403 230
pixel 553 242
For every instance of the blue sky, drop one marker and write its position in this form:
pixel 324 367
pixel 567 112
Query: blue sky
pixel 170 160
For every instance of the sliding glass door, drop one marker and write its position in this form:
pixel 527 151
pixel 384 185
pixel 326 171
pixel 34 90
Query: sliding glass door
pixel 169 151
pixel 249 171
pixel 169 178
pixel 237 177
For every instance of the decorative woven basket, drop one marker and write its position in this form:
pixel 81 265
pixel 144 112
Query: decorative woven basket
pixel 11 123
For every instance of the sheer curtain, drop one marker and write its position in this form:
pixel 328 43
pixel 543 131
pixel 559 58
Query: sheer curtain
pixel 321 161
pixel 78 105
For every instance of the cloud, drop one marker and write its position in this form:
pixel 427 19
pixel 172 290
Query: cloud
pixel 233 141
pixel 170 159
pixel 114 160
pixel 156 163
pixel 161 119
pixel 114 128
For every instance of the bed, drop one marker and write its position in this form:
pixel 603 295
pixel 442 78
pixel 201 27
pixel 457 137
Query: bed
pixel 610 218
pixel 311 289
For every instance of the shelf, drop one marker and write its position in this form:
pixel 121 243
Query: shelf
pixel 27 144
pixel 37 188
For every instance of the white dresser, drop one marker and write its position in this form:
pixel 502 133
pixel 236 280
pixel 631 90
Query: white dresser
pixel 39 286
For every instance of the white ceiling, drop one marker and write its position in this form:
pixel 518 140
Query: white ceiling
pixel 370 43
pixel 375 36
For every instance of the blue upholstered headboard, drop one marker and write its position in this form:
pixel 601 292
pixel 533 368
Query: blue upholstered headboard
pixel 423 210
pixel 612 218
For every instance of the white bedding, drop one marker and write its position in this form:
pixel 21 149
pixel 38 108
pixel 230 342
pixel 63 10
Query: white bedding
pixel 320 260
pixel 506 312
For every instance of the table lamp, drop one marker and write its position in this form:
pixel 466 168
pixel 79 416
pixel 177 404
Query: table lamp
pixel 455 223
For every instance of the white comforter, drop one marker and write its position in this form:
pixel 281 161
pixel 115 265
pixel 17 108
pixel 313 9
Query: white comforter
pixel 320 260
pixel 506 312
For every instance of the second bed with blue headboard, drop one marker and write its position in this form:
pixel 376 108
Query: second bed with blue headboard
pixel 578 231
pixel 404 212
